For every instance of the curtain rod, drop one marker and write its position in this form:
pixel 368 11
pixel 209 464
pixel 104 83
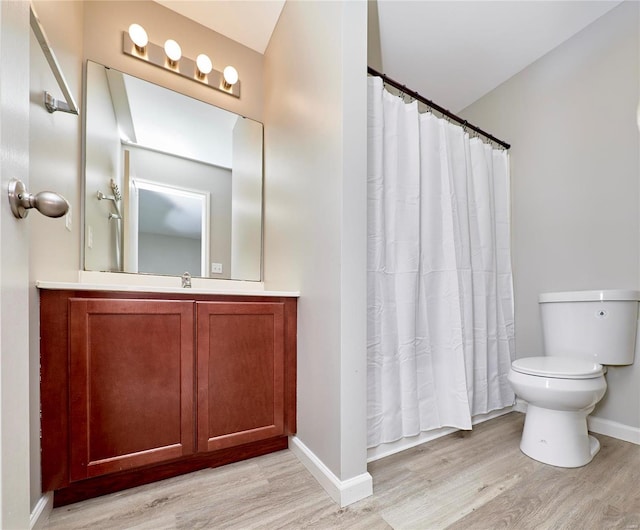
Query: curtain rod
pixel 435 106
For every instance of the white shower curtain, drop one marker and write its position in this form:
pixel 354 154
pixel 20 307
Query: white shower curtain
pixel 440 297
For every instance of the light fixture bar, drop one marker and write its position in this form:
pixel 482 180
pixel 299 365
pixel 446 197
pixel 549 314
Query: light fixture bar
pixel 185 67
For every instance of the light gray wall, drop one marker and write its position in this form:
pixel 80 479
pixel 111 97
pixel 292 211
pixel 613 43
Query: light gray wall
pixel 246 201
pixel 374 46
pixel 175 171
pixel 315 216
pixel 103 162
pixel 160 254
pixel 571 119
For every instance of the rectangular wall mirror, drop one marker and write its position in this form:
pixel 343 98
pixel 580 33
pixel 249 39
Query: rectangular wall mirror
pixel 172 184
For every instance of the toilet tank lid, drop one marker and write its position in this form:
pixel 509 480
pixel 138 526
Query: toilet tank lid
pixel 606 295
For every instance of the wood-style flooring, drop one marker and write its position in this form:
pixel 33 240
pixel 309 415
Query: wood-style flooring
pixel 467 480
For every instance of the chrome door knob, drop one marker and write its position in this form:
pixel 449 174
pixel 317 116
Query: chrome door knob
pixel 46 202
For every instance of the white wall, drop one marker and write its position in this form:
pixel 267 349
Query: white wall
pixel 103 153
pixel 246 201
pixel 315 216
pixel 571 119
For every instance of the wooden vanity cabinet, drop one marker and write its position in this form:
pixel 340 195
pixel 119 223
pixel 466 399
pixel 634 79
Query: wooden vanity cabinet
pixel 130 382
pixel 136 387
pixel 240 373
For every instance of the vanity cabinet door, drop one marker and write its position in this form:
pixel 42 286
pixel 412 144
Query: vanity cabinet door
pixel 131 383
pixel 240 366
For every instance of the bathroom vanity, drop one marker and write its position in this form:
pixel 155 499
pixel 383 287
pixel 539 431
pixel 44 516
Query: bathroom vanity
pixel 140 386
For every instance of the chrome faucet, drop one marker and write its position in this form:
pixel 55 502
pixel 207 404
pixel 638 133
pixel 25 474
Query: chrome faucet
pixel 186 280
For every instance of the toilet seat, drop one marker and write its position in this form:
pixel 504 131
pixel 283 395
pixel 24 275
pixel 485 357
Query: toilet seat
pixel 558 367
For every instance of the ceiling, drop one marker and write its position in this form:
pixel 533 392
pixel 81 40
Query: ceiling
pixel 452 52
pixel 249 22
pixel 186 127
pixel 455 52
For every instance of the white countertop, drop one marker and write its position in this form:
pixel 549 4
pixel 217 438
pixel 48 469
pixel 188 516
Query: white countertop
pixel 146 285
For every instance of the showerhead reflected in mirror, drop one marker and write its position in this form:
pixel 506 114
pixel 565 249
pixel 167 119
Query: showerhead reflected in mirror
pixel 172 184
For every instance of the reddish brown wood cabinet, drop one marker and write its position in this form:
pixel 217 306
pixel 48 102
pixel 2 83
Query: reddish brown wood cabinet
pixel 130 382
pixel 240 373
pixel 136 387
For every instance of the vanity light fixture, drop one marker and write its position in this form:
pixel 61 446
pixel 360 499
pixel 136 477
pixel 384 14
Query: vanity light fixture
pixel 135 43
pixel 230 75
pixel 139 37
pixel 204 65
pixel 173 52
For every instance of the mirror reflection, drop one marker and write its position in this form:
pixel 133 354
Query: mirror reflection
pixel 172 184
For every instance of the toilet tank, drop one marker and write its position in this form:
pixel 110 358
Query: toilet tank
pixel 593 325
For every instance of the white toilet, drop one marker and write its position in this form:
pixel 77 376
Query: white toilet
pixel 583 330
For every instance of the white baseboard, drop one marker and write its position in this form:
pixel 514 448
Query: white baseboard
pixel 343 492
pixel 41 511
pixel 388 449
pixel 614 429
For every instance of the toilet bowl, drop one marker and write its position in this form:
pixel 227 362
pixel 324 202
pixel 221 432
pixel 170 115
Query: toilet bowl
pixel 583 331
pixel 560 392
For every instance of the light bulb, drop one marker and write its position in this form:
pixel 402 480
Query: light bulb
pixel 139 36
pixel 204 65
pixel 173 51
pixel 230 76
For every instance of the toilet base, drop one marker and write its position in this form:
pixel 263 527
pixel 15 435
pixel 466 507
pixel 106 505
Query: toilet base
pixel 558 438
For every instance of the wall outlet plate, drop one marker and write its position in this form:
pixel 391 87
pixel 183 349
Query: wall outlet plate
pixel 216 268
